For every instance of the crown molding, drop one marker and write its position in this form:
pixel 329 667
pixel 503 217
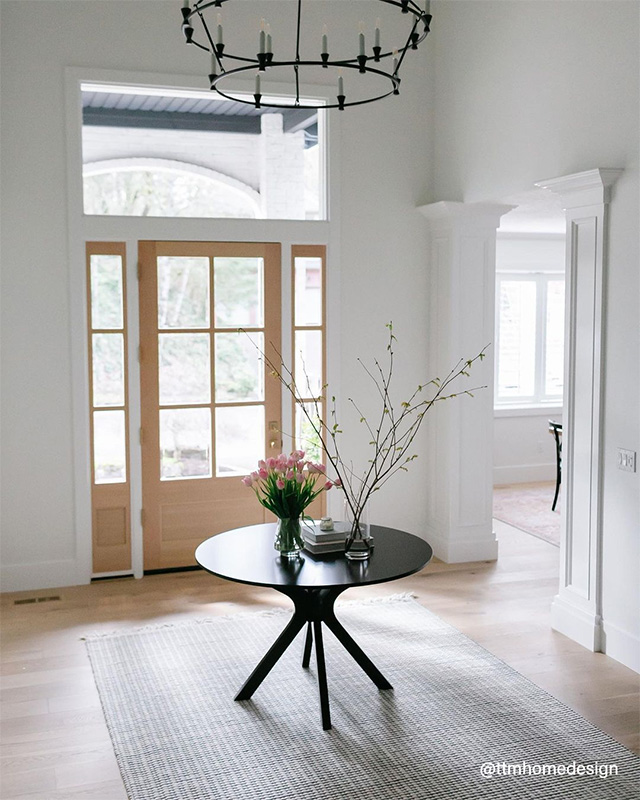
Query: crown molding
pixel 477 214
pixel 591 187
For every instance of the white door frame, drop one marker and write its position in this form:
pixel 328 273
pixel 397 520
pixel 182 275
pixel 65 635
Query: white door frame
pixel 130 230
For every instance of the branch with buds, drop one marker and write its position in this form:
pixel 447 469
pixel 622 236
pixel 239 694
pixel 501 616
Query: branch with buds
pixel 392 433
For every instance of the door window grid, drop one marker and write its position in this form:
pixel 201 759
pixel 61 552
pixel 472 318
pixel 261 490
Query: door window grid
pixel 529 339
pixel 309 342
pixel 107 362
pixel 203 435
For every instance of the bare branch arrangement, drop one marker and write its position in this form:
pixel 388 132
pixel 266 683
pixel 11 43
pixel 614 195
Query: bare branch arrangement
pixel 392 433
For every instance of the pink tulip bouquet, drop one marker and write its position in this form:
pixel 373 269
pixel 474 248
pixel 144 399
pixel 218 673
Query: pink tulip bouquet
pixel 286 485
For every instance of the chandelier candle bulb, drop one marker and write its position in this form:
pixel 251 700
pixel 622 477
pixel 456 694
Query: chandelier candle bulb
pixel 269 40
pixel 325 41
pixel 219 30
pixel 361 38
pixel 185 3
pixel 395 61
pixel 340 83
pixel 377 35
pixel 257 90
pixel 262 36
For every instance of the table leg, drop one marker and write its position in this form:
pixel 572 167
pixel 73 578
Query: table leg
pixel 322 676
pixel 308 642
pixel 273 654
pixel 313 607
pixel 355 651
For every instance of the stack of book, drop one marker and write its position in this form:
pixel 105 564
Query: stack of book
pixel 319 542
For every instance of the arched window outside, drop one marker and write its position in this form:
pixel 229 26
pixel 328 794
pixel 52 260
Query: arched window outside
pixel 154 187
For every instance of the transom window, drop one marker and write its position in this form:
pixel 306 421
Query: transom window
pixel 176 153
pixel 530 339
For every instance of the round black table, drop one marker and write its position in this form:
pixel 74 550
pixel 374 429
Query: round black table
pixel 246 555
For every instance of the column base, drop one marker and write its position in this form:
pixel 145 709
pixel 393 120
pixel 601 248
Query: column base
pixel 584 627
pixel 464 545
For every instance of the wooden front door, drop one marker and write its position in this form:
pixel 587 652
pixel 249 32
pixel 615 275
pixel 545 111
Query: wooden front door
pixel 210 410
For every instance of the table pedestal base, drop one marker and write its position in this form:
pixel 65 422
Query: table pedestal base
pixel 312 608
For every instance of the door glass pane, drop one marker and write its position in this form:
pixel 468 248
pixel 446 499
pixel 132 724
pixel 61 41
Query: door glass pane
pixel 308 373
pixel 517 354
pixel 239 368
pixel 184 368
pixel 239 439
pixel 554 361
pixel 109 447
pixel 108 369
pixel 185 443
pixel 183 292
pixel 308 291
pixel 238 292
pixel 106 292
pixel 306 438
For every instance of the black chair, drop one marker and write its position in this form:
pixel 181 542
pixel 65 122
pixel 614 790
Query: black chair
pixel 556 429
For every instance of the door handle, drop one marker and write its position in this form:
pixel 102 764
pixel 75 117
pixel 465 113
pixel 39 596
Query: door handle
pixel 274 427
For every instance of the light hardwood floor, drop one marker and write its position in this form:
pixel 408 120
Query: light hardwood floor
pixel 55 743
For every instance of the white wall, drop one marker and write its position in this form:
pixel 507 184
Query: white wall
pixel 528 91
pixel 385 174
pixel 523 450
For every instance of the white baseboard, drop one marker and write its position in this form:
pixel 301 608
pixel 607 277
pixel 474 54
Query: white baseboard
pixel 524 473
pixel 41 575
pixel 461 549
pixel 582 626
pixel 621 646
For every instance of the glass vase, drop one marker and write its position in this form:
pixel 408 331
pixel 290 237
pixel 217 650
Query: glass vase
pixel 359 543
pixel 288 541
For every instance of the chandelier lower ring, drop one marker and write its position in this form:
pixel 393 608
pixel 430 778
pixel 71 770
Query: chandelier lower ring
pixel 244 98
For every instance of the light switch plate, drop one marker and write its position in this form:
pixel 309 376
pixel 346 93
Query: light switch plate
pixel 627 460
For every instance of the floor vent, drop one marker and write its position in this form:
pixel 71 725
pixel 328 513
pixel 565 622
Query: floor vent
pixel 36 600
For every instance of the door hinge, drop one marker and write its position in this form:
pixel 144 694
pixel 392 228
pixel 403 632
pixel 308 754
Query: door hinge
pixel 142 517
pixel 141 436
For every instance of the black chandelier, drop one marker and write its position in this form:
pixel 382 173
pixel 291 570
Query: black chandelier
pixel 223 62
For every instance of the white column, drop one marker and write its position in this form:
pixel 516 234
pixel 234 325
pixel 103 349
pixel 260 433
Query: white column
pixel 577 609
pixel 462 323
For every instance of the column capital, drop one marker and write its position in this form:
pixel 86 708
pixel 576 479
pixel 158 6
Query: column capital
pixel 592 187
pixel 450 213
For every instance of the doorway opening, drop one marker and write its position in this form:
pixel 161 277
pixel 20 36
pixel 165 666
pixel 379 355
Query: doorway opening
pixel 529 359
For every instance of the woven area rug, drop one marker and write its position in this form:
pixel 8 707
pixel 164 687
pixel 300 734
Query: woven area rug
pixel 527 506
pixel 167 694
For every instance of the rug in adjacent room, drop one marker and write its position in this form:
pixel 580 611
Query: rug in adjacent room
pixel 167 694
pixel 527 506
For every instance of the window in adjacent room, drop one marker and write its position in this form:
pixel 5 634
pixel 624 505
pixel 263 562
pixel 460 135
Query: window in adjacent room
pixel 176 153
pixel 530 339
